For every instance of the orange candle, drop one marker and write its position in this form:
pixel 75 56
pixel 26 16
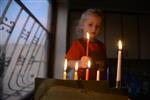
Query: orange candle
pixel 87 74
pixel 118 78
pixel 87 47
pixel 76 71
pixel 87 71
pixel 65 68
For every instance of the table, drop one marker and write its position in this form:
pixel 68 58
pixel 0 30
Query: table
pixel 56 89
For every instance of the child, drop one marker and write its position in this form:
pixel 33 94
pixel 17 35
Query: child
pixel 91 21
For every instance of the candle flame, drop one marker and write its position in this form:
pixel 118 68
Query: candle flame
pixel 76 66
pixel 88 35
pixel 89 64
pixel 65 65
pixel 120 45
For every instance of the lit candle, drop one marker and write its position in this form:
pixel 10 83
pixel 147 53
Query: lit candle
pixel 76 71
pixel 87 47
pixel 118 78
pixel 65 68
pixel 98 75
pixel 87 71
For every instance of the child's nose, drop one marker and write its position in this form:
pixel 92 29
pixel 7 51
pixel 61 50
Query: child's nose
pixel 94 29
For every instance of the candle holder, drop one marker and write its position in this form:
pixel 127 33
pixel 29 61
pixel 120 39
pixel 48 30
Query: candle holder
pixel 118 84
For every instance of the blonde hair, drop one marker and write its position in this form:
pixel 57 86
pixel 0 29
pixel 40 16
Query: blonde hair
pixel 97 12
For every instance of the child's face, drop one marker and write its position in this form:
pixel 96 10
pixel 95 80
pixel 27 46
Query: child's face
pixel 93 25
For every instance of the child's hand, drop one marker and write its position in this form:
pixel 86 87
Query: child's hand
pixel 84 62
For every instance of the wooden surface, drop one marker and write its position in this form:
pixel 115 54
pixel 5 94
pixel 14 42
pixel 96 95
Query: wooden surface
pixel 53 89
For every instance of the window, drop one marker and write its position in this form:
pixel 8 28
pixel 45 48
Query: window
pixel 24 26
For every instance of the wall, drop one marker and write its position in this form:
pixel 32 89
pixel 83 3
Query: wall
pixel 60 43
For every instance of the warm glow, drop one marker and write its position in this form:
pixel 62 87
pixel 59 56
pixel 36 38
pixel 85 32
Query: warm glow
pixel 89 64
pixel 88 35
pixel 120 45
pixel 76 66
pixel 65 65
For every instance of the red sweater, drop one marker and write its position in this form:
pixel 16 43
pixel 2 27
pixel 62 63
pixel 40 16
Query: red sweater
pixel 97 52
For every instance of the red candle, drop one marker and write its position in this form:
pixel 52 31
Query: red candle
pixel 87 45
pixel 87 71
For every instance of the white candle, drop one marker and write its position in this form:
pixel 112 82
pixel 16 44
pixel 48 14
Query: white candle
pixel 98 75
pixel 87 71
pixel 87 47
pixel 118 78
pixel 76 71
pixel 65 68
